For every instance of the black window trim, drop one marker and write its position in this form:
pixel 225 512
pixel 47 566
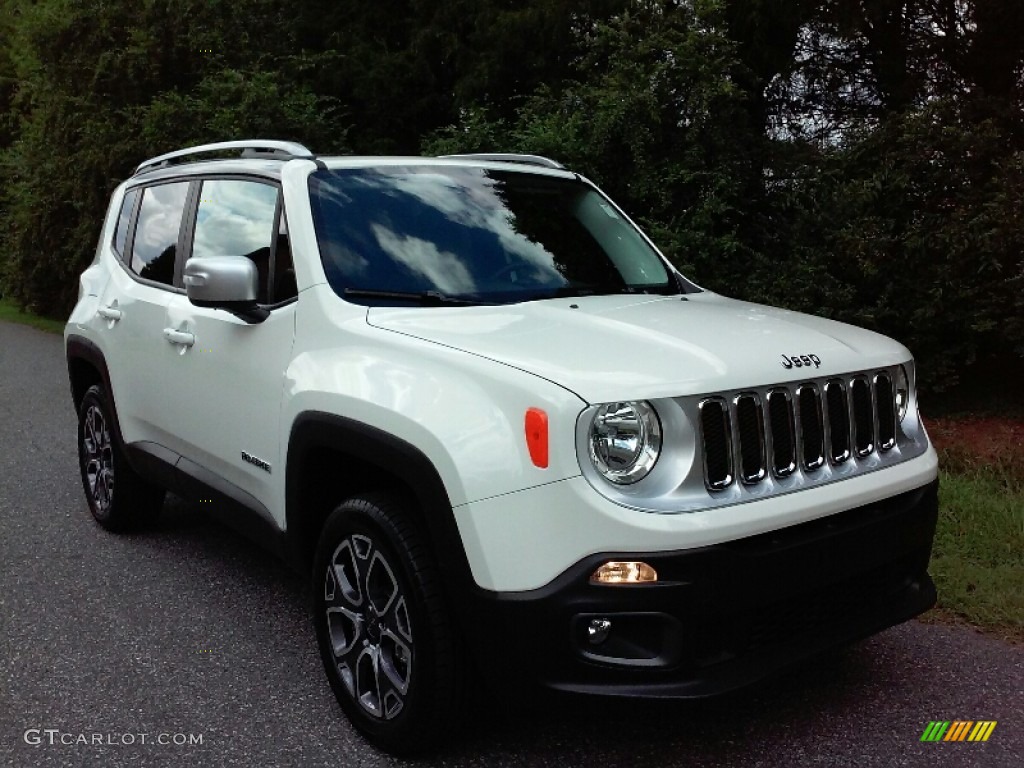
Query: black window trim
pixel 187 231
pixel 129 231
pixel 279 217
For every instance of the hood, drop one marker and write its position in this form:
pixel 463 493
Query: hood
pixel 622 347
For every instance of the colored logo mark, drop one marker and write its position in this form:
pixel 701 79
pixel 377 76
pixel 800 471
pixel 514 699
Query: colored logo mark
pixel 958 730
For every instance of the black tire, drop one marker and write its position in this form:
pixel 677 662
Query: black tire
pixel 118 498
pixel 384 633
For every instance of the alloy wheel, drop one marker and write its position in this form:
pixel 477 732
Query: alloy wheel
pixel 368 627
pixel 98 458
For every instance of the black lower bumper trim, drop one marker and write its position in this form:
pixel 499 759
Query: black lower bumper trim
pixel 720 617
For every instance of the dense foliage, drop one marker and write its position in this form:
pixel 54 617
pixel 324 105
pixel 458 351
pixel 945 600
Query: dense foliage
pixel 861 159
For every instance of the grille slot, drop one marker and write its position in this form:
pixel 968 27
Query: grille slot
pixel 863 419
pixel 803 429
pixel 885 402
pixel 838 421
pixel 750 425
pixel 812 429
pixel 716 437
pixel 780 421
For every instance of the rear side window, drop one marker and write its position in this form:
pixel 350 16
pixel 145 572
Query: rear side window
pixel 155 245
pixel 127 207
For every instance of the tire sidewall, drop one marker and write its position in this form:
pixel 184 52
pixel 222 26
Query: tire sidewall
pixel 95 397
pixel 412 725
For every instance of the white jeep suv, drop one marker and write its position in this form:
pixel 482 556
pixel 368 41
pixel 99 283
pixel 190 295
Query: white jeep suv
pixel 501 431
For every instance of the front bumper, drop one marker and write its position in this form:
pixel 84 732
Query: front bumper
pixel 720 616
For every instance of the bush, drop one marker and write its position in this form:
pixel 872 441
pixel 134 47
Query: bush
pixel 104 87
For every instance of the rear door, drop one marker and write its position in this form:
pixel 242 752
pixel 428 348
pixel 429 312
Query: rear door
pixel 133 306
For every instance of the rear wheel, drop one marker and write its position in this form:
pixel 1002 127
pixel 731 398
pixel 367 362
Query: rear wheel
pixel 383 630
pixel 118 498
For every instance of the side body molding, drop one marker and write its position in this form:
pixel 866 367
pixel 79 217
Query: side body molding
pixel 225 501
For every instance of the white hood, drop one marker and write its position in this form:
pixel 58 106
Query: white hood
pixel 643 347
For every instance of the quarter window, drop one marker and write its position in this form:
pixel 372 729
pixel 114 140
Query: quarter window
pixel 238 218
pixel 155 245
pixel 127 207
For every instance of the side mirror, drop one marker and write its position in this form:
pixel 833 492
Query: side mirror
pixel 225 282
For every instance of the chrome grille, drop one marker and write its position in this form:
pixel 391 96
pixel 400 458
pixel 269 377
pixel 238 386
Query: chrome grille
pixel 750 428
pixel 773 433
pixel 885 402
pixel 838 421
pixel 782 431
pixel 716 436
pixel 812 428
pixel 863 416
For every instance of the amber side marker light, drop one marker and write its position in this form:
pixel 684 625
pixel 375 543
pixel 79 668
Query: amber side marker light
pixel 629 572
pixel 537 436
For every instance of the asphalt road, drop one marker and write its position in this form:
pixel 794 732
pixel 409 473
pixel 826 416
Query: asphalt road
pixel 188 631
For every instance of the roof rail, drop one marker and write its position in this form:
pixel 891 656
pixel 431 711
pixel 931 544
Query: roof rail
pixel 508 157
pixel 265 148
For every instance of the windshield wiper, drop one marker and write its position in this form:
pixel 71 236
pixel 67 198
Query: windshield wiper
pixel 571 291
pixel 652 290
pixel 424 298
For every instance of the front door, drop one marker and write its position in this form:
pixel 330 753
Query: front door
pixel 227 405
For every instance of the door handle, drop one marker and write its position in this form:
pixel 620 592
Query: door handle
pixel 184 338
pixel 110 313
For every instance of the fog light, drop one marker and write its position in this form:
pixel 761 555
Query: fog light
pixel 597 631
pixel 630 572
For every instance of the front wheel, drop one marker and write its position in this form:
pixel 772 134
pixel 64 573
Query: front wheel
pixel 382 627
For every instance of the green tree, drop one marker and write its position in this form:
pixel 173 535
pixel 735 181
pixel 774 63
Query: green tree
pixel 103 85
pixel 653 115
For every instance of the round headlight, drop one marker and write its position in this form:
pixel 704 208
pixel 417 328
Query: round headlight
pixel 625 440
pixel 902 386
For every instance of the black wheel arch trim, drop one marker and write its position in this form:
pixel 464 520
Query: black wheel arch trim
pixel 78 347
pixel 313 430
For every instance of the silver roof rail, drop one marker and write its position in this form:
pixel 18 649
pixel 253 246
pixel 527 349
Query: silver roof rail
pixel 508 157
pixel 264 148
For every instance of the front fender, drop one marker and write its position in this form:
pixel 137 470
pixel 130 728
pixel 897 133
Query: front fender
pixel 465 413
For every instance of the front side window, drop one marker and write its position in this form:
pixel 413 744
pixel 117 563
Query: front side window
pixel 237 218
pixel 155 245
pixel 476 234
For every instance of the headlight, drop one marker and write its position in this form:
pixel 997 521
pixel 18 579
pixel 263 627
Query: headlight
pixel 625 441
pixel 902 385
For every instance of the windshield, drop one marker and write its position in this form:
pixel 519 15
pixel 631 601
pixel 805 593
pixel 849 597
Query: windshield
pixel 476 235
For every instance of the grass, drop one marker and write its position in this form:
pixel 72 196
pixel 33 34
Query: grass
pixel 9 312
pixel 978 556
